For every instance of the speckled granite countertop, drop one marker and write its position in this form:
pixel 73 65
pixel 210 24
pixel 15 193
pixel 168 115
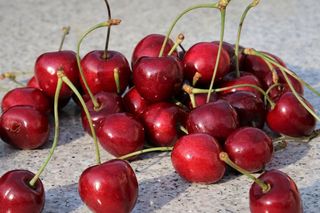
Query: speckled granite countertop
pixel 288 28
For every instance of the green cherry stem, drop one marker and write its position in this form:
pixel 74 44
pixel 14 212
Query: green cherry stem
pixel 183 129
pixel 100 25
pixel 117 79
pixel 105 53
pixel 314 134
pixel 225 158
pixel 154 149
pixel 214 5
pixel 179 40
pixel 12 77
pixel 244 14
pixel 66 31
pixel 270 88
pixel 56 132
pixel 85 109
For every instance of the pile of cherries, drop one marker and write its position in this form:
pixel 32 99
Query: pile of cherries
pixel 209 105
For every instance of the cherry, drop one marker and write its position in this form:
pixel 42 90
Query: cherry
pixel 16 195
pixel 290 118
pixel 282 197
pixel 24 127
pixel 120 134
pixel 150 46
pixel 196 158
pixel 201 58
pixel 134 102
pixel 161 121
pixel 157 78
pixel 250 148
pixel 33 83
pixel 218 119
pixel 201 99
pixel 26 96
pixel 110 187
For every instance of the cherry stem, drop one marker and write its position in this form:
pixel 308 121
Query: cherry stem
pixel 279 145
pixel 225 158
pixel 66 31
pixel 56 133
pixel 182 48
pixel 244 14
pixel 270 88
pixel 105 53
pixel 100 25
pixel 314 134
pixel 12 77
pixel 85 109
pixel 179 40
pixel 223 18
pixel 117 79
pixel 154 149
pixel 196 78
pixel 215 5
pixel 183 129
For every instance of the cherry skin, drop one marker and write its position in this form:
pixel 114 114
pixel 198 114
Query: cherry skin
pixel 290 118
pixel 33 83
pixel 161 121
pixel 250 148
pixel 201 99
pixel 16 195
pixel 121 134
pixel 195 157
pixel 46 68
pixel 201 58
pixel 26 96
pixel 134 103
pixel 283 197
pixel 110 187
pixel 99 72
pixel 24 127
pixel 157 79
pixel 109 103
pixel 150 46
pixel 218 119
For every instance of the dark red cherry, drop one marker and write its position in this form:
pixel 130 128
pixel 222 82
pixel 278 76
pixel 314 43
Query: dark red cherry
pixel 121 134
pixel 218 119
pixel 157 79
pixel 26 96
pixel 17 196
pixel 150 46
pixel 195 157
pixel 283 196
pixel 161 121
pixel 250 148
pixel 110 187
pixel 24 127
pixel 33 83
pixel 134 102
pixel 201 99
pixel 99 72
pixel 201 58
pixel 290 118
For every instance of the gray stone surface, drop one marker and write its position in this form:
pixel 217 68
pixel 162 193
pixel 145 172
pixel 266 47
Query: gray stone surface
pixel 287 28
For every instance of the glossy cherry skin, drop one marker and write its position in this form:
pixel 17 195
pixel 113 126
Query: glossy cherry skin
pixel 290 118
pixel 121 134
pixel 283 197
pixel 201 58
pixel 201 99
pixel 250 148
pixel 99 72
pixel 195 157
pixel 26 96
pixel 24 127
pixel 17 196
pixel 110 187
pixel 250 108
pixel 134 103
pixel 161 121
pixel 46 68
pixel 157 79
pixel 218 119
pixel 33 83
pixel 109 103
pixel 150 46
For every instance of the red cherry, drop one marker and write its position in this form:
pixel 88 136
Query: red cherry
pixel 201 58
pixel 99 72
pixel 26 96
pixel 290 118
pixel 157 79
pixel 134 102
pixel 218 119
pixel 201 99
pixel 196 158
pixel 33 83
pixel 16 195
pixel 283 196
pixel 121 134
pixel 161 121
pixel 250 148
pixel 110 187
pixel 150 46
pixel 24 127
